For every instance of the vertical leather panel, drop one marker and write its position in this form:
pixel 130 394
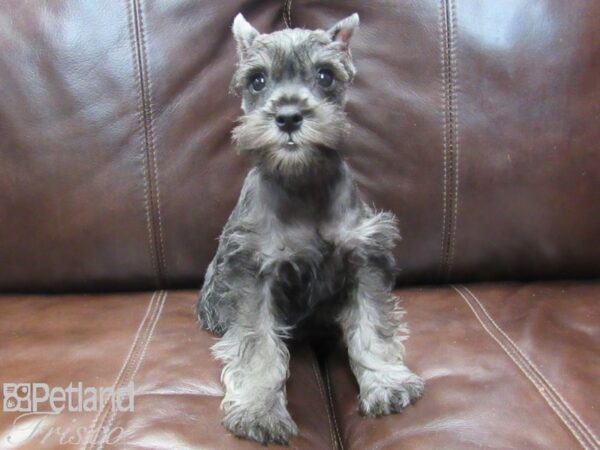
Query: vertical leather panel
pixel 71 166
pixel 528 109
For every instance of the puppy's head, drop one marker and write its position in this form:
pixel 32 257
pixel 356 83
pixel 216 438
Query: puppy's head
pixel 292 83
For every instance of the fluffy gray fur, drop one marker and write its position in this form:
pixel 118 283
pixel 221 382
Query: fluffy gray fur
pixel 301 248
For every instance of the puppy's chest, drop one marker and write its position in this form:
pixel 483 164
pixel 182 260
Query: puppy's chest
pixel 286 242
pixel 309 272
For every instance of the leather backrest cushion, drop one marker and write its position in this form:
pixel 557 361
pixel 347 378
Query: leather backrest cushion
pixel 476 122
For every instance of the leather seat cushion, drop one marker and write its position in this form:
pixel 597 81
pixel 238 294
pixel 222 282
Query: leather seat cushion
pixel 151 339
pixel 506 366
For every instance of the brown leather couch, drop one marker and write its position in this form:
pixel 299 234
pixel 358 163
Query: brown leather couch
pixel 476 121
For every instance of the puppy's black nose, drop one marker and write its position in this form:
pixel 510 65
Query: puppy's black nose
pixel 288 118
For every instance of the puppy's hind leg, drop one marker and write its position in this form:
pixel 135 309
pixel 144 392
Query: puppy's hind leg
pixel 373 332
pixel 256 369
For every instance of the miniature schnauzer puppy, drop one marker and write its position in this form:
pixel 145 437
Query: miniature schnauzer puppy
pixel 301 247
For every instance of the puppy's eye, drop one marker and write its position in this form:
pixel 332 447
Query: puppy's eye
pixel 325 77
pixel 258 81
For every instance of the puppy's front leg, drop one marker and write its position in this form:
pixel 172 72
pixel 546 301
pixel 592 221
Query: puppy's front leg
pixel 256 369
pixel 373 332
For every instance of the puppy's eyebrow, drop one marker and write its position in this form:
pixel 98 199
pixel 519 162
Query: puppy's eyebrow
pixel 329 56
pixel 251 67
pixel 248 71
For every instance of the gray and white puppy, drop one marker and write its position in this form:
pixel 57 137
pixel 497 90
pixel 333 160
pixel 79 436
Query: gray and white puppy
pixel 301 248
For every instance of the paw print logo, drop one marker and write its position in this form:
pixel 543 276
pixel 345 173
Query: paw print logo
pixel 17 397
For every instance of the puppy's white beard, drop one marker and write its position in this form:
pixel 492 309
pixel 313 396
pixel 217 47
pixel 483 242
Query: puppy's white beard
pixel 323 127
pixel 256 133
pixel 292 162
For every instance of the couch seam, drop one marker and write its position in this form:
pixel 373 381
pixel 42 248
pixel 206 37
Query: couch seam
pixel 114 413
pixel 151 142
pixel 332 407
pixel 566 404
pixel 443 45
pixel 146 124
pixel 456 138
pixel 141 128
pixel 287 13
pixel 127 359
pixel 316 373
pixel 556 402
pixel 449 136
pixel 130 368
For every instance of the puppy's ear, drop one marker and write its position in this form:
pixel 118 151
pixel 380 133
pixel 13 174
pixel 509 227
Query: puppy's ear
pixel 244 33
pixel 343 30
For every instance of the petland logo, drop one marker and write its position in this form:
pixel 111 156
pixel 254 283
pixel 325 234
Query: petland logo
pixel 37 404
pixel 38 397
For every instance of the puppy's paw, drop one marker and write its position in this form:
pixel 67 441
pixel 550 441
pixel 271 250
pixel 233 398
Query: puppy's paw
pixel 381 400
pixel 274 426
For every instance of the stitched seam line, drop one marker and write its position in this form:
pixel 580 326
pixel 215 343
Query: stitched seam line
pixel 450 141
pixel 287 13
pixel 147 132
pixel 521 366
pixel 543 386
pixel 455 135
pixel 141 127
pixel 575 417
pixel 131 368
pixel 322 394
pixel 151 140
pixel 113 413
pixel 332 407
pixel 444 63
pixel 95 429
